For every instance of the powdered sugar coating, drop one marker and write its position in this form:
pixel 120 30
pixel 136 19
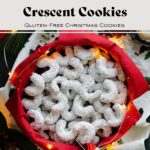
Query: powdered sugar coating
pixel 88 82
pixel 85 131
pixel 80 110
pixel 78 98
pixel 84 54
pixel 106 68
pixel 68 115
pixel 110 93
pixel 77 71
pixel 37 86
pixel 115 115
pixel 32 104
pixel 63 61
pixel 102 124
pixel 53 68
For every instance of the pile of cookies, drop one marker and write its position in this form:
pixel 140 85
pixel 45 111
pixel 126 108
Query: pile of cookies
pixel 79 94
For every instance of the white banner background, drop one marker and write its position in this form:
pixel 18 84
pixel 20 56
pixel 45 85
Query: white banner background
pixel 12 17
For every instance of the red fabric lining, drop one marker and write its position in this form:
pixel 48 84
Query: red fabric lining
pixel 2 35
pixel 137 85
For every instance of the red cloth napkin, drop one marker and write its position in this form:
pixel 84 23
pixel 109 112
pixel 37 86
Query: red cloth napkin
pixel 2 35
pixel 137 85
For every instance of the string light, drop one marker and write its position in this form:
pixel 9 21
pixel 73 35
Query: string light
pixel 96 52
pixel 79 144
pixel 112 146
pixel 4 52
pixel 124 107
pixel 14 31
pixel 49 146
pixel 116 40
pixel 9 73
pixel 47 52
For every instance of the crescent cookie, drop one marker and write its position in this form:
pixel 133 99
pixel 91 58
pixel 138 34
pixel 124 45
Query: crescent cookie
pixel 53 68
pixel 37 86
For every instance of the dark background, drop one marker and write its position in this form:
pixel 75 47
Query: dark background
pixel 13 43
